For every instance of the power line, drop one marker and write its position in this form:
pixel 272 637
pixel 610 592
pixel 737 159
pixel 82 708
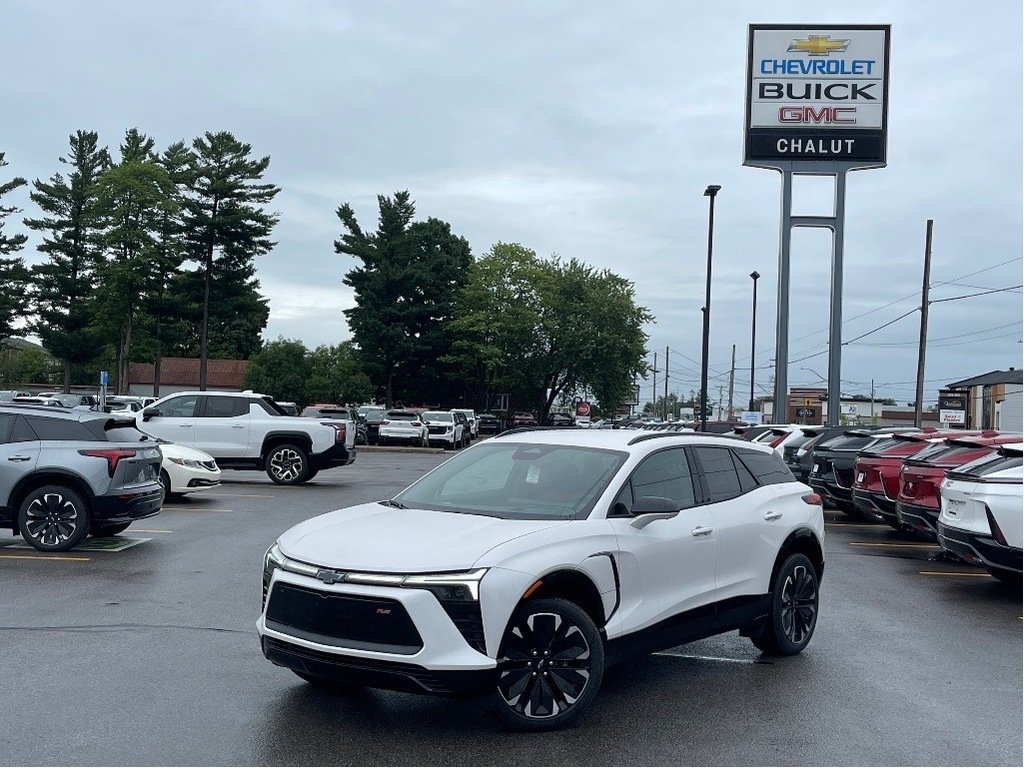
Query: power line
pixel 980 293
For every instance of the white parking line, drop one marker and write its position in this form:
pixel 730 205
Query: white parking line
pixel 196 509
pixel 40 557
pixel 148 530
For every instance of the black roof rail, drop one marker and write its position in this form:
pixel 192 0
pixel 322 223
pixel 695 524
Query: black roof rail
pixel 655 435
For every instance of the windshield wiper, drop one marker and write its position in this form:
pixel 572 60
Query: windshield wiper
pixel 392 503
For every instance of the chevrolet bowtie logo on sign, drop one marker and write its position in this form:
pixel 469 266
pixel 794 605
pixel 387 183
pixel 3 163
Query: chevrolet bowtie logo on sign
pixel 819 45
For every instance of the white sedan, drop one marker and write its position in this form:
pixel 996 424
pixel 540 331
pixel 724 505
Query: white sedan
pixel 185 470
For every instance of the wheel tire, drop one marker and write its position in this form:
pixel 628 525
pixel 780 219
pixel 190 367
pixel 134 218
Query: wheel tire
pixel 53 518
pixel 287 464
pixel 326 684
pixel 794 609
pixel 108 530
pixel 545 635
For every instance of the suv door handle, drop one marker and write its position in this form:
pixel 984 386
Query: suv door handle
pixel 702 530
pixel 238 426
pixel 772 515
pixel 185 425
pixel 19 458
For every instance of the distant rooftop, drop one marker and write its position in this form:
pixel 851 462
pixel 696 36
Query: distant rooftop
pixel 1011 376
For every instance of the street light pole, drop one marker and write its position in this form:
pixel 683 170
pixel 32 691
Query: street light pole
pixel 753 336
pixel 710 192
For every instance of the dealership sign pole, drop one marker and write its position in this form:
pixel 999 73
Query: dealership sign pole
pixel 817 105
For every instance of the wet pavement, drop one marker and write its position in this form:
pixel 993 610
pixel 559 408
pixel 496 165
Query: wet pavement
pixel 149 656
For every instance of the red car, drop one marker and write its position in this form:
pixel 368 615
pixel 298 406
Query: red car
pixel 876 474
pixel 917 505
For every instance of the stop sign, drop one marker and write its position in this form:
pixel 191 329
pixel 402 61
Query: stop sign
pixel 582 408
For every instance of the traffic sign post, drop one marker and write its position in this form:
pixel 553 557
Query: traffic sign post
pixel 104 378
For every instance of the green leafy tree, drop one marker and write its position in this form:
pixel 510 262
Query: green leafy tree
pixel 406 289
pixel 137 196
pixel 225 220
pixel 13 274
pixel 280 370
pixel 547 331
pixel 64 285
pixel 336 376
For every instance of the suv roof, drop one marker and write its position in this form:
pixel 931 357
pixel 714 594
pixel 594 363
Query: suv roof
pixel 618 439
pixel 71 414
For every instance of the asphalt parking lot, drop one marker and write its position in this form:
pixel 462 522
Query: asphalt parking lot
pixel 149 655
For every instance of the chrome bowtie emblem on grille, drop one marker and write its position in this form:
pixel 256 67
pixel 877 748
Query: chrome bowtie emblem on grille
pixel 329 577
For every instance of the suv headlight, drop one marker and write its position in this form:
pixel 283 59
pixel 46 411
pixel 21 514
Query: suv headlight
pixel 449 586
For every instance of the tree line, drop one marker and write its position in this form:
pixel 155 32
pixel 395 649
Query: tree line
pixel 152 253
pixel 148 254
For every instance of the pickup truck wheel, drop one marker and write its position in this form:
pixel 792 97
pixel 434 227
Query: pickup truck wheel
pixel 287 464
pixel 53 518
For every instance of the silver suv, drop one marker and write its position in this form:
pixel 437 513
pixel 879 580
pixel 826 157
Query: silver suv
pixel 67 474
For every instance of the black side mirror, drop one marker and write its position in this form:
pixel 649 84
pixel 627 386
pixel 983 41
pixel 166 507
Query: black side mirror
pixel 149 413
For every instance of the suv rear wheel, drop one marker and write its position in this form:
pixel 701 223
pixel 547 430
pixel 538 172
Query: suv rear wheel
pixel 287 464
pixel 550 666
pixel 53 518
pixel 794 609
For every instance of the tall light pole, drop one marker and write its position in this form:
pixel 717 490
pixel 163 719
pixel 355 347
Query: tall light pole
pixel 753 336
pixel 710 192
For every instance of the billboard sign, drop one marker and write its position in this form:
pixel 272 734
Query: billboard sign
pixel 952 417
pixel 816 93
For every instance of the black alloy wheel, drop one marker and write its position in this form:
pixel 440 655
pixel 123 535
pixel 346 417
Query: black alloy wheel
pixel 794 609
pixel 108 530
pixel 287 464
pixel 53 518
pixel 550 666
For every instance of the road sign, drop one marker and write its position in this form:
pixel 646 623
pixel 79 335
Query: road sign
pixel 808 401
pixel 805 413
pixel 582 408
pixel 104 378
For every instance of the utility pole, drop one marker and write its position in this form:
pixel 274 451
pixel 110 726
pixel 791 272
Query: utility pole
pixel 922 343
pixel 666 384
pixel 732 376
pixel 872 401
pixel 654 387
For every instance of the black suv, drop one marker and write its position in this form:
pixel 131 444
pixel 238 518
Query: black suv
pixel 67 474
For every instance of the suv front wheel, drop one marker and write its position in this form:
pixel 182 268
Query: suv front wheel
pixel 550 666
pixel 53 518
pixel 287 464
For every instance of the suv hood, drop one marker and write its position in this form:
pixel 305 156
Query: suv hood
pixel 379 539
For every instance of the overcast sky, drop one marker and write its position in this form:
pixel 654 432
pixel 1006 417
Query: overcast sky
pixel 586 129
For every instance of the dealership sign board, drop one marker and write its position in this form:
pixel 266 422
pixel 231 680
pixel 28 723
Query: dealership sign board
pixel 816 93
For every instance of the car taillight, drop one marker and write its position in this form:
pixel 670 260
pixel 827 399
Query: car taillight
pixel 813 499
pixel 112 455
pixel 417 424
pixel 997 532
pixel 339 430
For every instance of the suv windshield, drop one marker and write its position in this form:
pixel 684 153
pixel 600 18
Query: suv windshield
pixel 517 481
pixel 437 416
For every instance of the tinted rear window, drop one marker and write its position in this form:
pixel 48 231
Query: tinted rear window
pixel 768 468
pixel 986 466
pixel 401 416
pixel 58 429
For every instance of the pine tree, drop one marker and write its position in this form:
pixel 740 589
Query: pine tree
pixel 64 286
pixel 135 196
pixel 226 224
pixel 13 274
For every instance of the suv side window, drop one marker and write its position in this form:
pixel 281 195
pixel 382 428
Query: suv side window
pixel 58 429
pixel 226 407
pixel 22 432
pixel 180 407
pixel 665 473
pixel 6 424
pixel 719 473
